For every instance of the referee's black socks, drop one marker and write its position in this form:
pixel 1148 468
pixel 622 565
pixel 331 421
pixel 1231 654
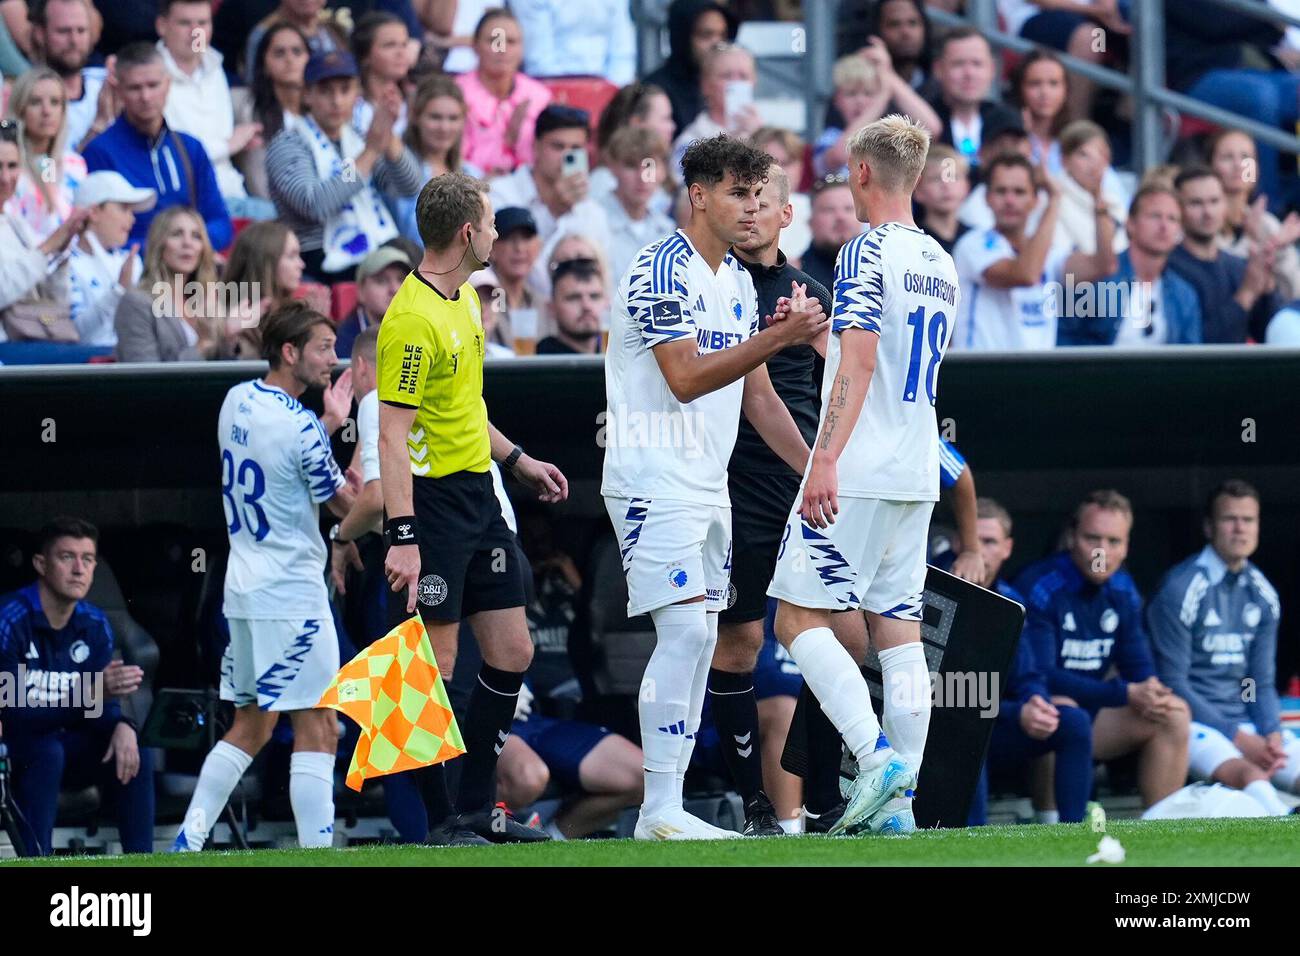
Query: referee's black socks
pixel 821 786
pixel 735 714
pixel 488 718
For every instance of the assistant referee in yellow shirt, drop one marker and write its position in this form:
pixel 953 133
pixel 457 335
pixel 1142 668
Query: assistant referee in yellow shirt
pixel 449 547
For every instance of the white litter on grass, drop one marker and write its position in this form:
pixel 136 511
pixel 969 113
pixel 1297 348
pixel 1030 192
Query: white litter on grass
pixel 1109 850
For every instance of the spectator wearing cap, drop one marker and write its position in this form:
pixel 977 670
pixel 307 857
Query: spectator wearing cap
pixel 965 70
pixel 326 179
pixel 579 309
pixel 866 88
pixel 51 169
pixel 582 37
pixel 378 278
pixel 694 28
pixel 102 267
pixel 150 154
pixel 558 199
pixel 502 103
pixel 638 159
pixel 309 16
pixel 199 101
pixel 727 77
pixel 504 290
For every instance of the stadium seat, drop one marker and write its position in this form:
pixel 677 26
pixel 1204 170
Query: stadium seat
pixel 343 299
pixel 132 641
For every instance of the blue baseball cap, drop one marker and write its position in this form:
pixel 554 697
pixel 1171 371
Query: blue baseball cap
pixel 328 66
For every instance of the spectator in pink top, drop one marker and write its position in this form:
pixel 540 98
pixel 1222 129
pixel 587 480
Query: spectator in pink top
pixel 502 104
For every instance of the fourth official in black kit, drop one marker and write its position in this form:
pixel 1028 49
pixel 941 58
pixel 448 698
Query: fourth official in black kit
pixel 762 487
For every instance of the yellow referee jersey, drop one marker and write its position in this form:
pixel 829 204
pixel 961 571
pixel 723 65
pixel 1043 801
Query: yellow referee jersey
pixel 430 357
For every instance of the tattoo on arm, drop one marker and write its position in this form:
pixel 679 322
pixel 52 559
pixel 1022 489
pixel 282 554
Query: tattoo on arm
pixel 838 400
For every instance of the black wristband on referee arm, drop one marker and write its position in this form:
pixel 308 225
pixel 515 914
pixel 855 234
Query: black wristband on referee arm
pixel 401 531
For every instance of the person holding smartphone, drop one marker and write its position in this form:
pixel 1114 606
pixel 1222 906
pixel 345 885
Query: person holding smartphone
pixel 554 187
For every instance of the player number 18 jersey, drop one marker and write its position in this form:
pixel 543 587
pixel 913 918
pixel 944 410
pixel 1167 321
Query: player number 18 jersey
pixel 897 282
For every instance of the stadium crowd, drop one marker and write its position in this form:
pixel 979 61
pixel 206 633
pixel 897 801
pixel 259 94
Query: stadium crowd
pixel 172 172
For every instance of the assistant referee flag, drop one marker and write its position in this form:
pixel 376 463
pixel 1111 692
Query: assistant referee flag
pixel 394 692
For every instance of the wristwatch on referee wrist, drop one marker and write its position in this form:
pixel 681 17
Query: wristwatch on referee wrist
pixel 512 459
pixel 334 535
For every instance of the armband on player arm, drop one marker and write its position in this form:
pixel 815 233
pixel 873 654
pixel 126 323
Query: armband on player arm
pixel 401 531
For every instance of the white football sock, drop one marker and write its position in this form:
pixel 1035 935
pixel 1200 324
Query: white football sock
pixel 840 688
pixel 699 687
pixel 682 634
pixel 1262 792
pixel 906 718
pixel 311 794
pixel 222 768
pixel 1047 816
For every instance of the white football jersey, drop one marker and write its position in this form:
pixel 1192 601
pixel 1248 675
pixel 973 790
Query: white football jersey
pixel 276 467
pixel 1012 320
pixel 655 446
pixel 895 281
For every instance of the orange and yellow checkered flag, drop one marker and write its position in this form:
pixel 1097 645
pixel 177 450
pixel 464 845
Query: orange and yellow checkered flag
pixel 394 692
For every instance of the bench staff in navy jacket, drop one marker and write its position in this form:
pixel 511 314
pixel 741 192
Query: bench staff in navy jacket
pixel 54 646
pixel 1083 620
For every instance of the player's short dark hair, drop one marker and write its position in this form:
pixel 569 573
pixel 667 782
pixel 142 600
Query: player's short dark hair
pixel 708 161
pixel 1230 488
pixel 956 34
pixel 446 203
pixel 290 324
pixel 1191 174
pixel 1107 499
pixel 366 344
pixel 136 54
pixel 580 269
pixel 1007 161
pixel 493 13
pixel 165 6
pixel 64 526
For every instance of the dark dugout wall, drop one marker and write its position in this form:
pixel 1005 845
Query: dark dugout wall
pixel 132 447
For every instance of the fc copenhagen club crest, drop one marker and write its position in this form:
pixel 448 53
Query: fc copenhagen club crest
pixel 431 591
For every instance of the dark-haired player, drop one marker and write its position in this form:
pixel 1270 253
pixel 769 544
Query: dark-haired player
pixel 685 354
pixel 276 468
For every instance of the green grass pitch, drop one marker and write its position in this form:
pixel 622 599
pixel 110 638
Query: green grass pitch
pixel 1235 843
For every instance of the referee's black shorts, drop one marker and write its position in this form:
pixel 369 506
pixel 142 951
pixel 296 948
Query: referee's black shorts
pixel 469 560
pixel 760 505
